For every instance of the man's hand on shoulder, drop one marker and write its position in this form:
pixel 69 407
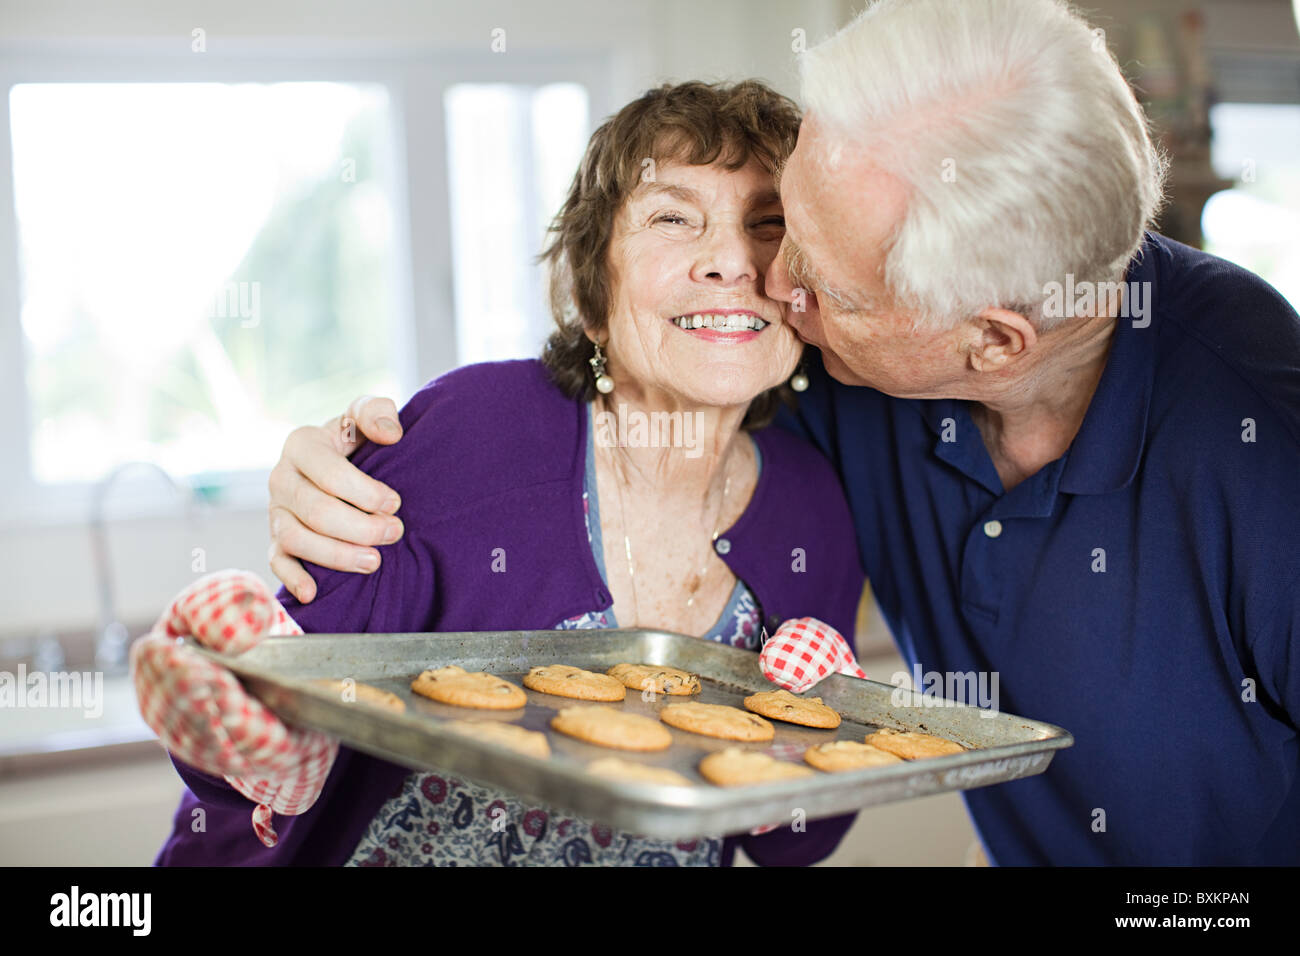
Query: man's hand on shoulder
pixel 323 508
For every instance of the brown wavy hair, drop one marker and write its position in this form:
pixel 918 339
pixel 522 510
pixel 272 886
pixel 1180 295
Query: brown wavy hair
pixel 695 123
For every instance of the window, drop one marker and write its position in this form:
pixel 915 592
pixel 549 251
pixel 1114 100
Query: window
pixel 1256 224
pixel 512 154
pixel 203 253
pixel 203 266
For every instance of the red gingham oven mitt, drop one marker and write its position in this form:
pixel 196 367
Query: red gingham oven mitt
pixel 803 651
pixel 201 713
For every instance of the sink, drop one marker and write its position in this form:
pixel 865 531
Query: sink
pixel 71 650
pixel 104 722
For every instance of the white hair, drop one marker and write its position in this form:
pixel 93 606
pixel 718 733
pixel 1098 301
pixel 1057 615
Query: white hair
pixel 1025 153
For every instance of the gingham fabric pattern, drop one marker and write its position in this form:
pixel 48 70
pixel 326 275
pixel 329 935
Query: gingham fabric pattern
pixel 201 713
pixel 803 651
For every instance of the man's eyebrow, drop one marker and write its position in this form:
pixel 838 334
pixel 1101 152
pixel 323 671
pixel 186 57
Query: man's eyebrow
pixel 776 176
pixel 798 266
pixel 804 276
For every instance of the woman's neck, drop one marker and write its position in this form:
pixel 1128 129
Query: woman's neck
pixel 670 454
pixel 668 486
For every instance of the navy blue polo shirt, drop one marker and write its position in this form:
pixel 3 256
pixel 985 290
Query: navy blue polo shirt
pixel 1142 591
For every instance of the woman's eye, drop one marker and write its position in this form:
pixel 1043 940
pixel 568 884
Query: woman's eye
pixel 671 217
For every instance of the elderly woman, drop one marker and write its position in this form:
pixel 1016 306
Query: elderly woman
pixel 625 480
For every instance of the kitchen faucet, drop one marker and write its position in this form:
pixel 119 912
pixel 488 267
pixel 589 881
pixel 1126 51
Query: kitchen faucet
pixel 111 638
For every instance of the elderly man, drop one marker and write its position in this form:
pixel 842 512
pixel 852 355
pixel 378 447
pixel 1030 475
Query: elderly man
pixel 1071 446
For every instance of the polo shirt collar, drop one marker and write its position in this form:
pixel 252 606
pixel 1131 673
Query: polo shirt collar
pixel 1107 450
pixel 957 441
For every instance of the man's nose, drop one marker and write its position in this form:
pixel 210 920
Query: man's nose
pixel 777 283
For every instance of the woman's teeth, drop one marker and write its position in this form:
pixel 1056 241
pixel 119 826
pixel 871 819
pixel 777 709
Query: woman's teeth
pixel 724 323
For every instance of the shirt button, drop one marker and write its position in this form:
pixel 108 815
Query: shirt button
pixel 723 546
pixel 993 528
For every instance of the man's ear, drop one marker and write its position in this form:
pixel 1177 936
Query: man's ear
pixel 998 337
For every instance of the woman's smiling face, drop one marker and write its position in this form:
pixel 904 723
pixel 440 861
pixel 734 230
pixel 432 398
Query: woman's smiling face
pixel 697 242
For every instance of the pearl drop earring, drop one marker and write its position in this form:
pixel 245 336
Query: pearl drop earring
pixel 604 384
pixel 799 381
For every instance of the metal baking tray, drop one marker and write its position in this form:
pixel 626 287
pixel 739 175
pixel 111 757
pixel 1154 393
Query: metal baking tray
pixel 280 671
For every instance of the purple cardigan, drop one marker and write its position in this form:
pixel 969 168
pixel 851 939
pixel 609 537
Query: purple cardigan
pixel 492 456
